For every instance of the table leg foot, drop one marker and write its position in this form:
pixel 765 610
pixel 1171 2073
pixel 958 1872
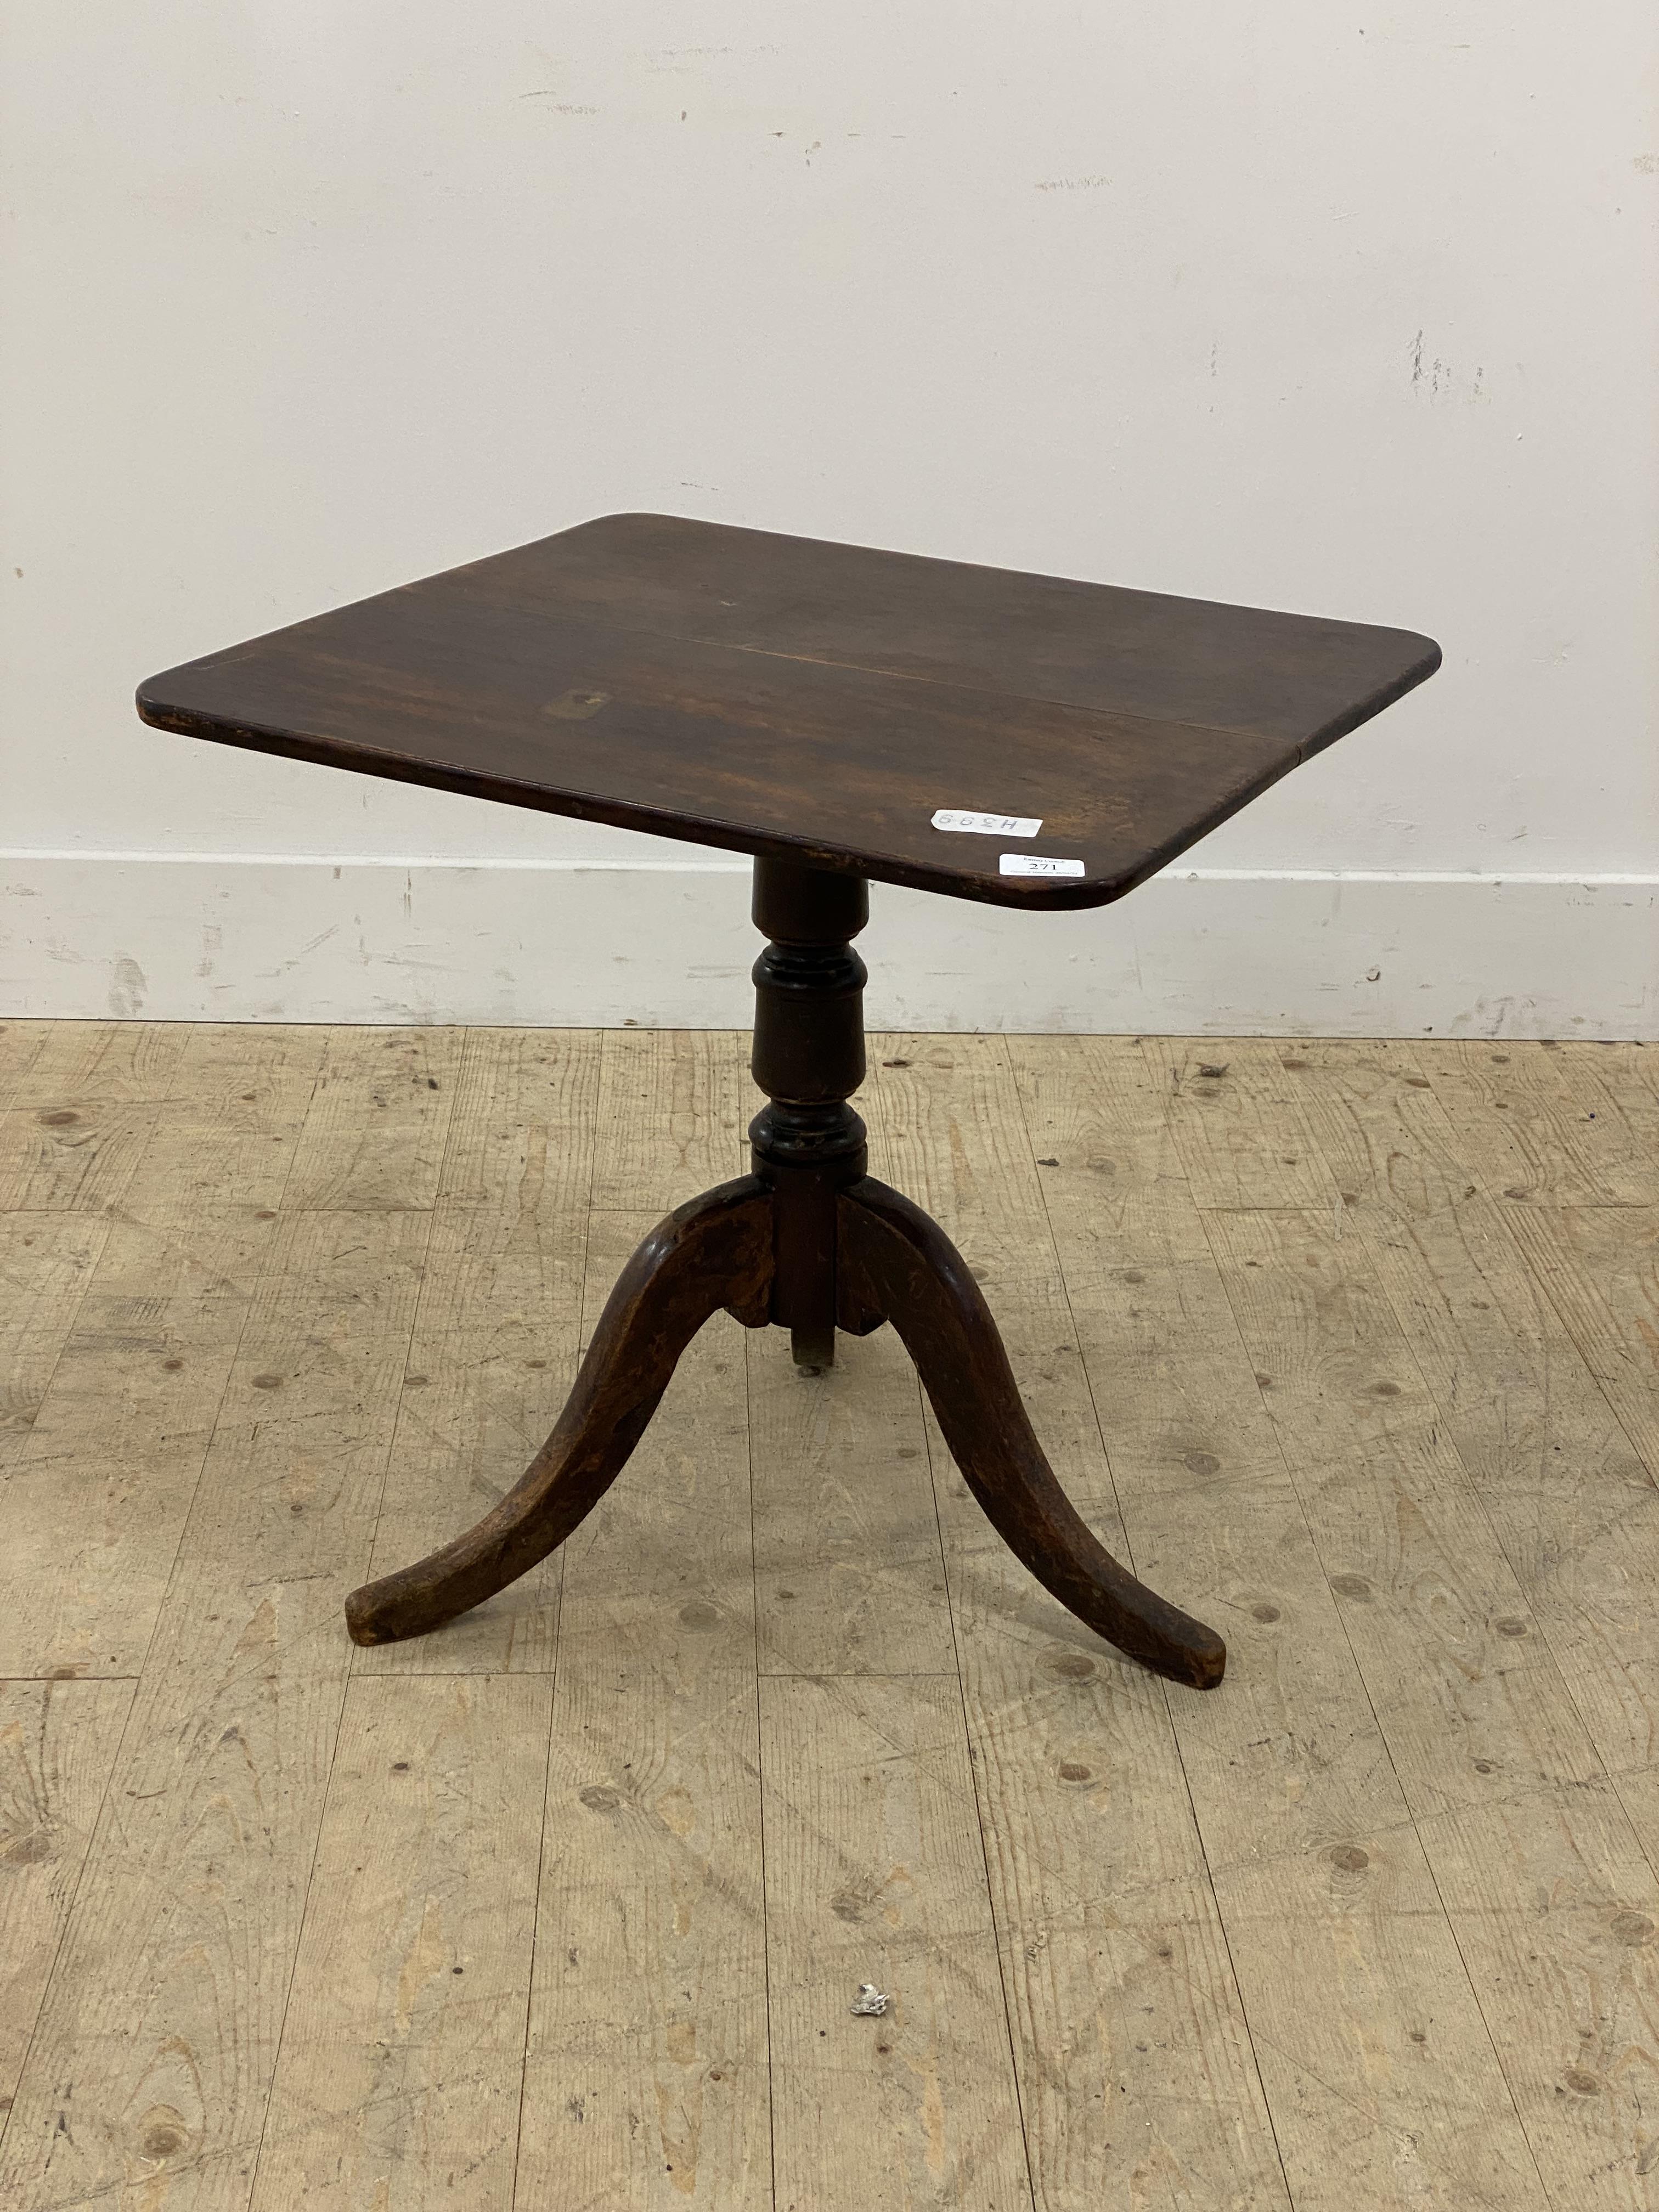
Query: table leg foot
pixel 812 1350
pixel 895 1260
pixel 715 1252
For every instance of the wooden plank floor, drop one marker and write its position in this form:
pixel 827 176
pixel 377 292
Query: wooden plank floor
pixel 1351 1348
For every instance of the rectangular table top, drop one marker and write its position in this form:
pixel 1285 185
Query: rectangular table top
pixel 810 700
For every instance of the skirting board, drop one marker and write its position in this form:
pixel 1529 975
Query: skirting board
pixel 232 938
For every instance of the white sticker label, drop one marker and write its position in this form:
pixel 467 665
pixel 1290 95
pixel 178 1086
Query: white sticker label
pixel 1033 864
pixel 987 825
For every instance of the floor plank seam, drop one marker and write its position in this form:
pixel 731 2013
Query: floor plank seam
pixel 1360 1677
pixel 1540 1278
pixel 1492 2038
pixel 1252 2032
pixel 1476 1494
pixel 421 1296
pixel 975 1767
pixel 760 1782
pixel 48 1982
pixel 218 1411
pixel 553 1673
pixel 1170 1719
pixel 530 1966
pixel 97 1830
pixel 1411 1352
pixel 1383 2127
pixel 327 1790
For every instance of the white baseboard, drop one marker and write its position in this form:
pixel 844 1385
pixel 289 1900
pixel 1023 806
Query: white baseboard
pixel 234 937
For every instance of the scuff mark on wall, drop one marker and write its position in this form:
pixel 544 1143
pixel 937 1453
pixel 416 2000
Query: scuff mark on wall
pixel 1436 379
pixel 322 937
pixel 129 986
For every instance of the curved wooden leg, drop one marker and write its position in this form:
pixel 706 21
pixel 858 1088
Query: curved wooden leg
pixel 715 1252
pixel 898 1260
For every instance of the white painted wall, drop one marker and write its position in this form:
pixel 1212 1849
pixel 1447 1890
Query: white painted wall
pixel 1323 304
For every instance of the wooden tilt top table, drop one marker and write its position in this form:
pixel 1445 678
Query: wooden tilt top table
pixel 836 712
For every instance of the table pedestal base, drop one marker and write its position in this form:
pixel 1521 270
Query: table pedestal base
pixel 813 1241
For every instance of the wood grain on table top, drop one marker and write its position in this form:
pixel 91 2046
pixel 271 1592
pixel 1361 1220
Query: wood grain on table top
pixel 778 695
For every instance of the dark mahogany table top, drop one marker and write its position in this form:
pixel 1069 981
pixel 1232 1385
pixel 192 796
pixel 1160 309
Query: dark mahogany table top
pixel 810 700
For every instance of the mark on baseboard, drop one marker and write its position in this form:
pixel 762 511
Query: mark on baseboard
pixel 305 950
pixel 128 988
